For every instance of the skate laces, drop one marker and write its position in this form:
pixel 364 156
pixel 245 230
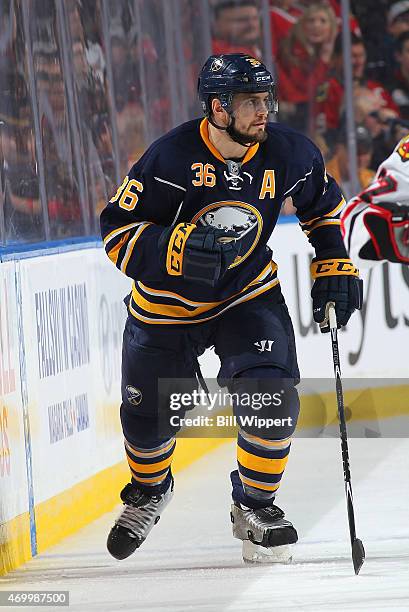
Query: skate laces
pixel 135 497
pixel 271 512
pixel 139 510
pixel 263 517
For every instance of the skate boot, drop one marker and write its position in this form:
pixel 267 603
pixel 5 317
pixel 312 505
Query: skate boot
pixel 266 535
pixel 140 514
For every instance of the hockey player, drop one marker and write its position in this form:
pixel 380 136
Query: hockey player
pixel 190 224
pixel 375 223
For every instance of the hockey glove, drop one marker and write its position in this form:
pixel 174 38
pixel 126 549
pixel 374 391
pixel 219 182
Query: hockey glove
pixel 336 280
pixel 198 254
pixel 388 226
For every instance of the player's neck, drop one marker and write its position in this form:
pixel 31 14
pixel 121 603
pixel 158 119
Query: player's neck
pixel 225 145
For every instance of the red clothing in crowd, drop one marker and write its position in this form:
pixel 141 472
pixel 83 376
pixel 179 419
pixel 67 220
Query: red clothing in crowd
pixel 353 22
pixel 220 47
pixel 330 100
pixel 281 23
pixel 299 78
pixel 399 89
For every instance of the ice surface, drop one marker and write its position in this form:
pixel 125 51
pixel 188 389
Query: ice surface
pixel 191 562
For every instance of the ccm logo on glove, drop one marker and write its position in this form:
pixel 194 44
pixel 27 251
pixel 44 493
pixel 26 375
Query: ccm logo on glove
pixel 336 280
pixel 333 267
pixel 198 254
pixel 177 243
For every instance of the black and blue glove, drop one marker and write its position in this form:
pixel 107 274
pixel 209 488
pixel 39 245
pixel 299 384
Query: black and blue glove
pixel 336 280
pixel 198 254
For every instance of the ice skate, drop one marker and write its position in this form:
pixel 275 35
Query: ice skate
pixel 267 537
pixel 140 514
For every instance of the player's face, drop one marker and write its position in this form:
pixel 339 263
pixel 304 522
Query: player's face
pixel 250 112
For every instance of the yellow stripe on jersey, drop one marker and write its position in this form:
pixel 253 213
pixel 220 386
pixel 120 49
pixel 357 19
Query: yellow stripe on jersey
pixel 240 300
pixel 261 464
pixel 131 245
pixel 269 270
pixel 189 315
pixel 171 310
pixel 168 309
pixel 119 230
pixel 321 223
pixel 332 213
pixel 114 252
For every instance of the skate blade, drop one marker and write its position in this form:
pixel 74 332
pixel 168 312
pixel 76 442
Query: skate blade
pixel 253 553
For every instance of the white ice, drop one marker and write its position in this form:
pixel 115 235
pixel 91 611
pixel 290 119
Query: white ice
pixel 191 562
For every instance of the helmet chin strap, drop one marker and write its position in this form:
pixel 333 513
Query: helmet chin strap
pixel 232 132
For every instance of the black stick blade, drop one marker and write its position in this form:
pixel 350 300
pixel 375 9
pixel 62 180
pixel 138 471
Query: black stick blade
pixel 358 555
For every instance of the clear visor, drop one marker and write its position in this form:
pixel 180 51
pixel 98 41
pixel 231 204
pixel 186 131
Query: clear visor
pixel 254 104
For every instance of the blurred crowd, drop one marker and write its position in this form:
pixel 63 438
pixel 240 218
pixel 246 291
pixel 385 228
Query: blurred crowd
pixel 307 48
pixel 70 122
pixel 86 85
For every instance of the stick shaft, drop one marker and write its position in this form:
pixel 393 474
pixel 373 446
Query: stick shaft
pixel 343 433
pixel 342 421
pixel 357 548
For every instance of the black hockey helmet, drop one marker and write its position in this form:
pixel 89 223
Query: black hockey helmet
pixel 224 75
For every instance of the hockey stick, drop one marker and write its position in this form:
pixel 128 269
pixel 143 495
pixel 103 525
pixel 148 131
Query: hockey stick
pixel 358 551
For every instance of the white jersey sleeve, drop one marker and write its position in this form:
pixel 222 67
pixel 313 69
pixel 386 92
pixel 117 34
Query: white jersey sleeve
pixel 390 185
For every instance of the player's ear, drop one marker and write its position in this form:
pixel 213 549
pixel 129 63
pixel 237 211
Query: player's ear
pixel 218 111
pixel 216 105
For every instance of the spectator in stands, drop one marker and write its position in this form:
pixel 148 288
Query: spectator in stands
pixel 338 165
pixel 397 24
pixel 285 13
pixel 386 130
pixel 353 22
pixel 60 172
pixel 303 64
pixel 373 24
pixel 398 18
pixel 283 16
pixel 399 83
pixel 237 28
pixel 369 95
pixel 18 167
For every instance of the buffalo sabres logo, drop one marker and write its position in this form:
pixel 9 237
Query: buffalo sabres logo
pixel 134 395
pixel 403 149
pixel 240 217
pixel 217 64
pixel 234 177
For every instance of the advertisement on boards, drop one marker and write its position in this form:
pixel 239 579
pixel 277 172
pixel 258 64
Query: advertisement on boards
pixel 13 476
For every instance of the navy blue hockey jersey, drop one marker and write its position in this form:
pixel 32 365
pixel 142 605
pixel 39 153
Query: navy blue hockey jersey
pixel 183 178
